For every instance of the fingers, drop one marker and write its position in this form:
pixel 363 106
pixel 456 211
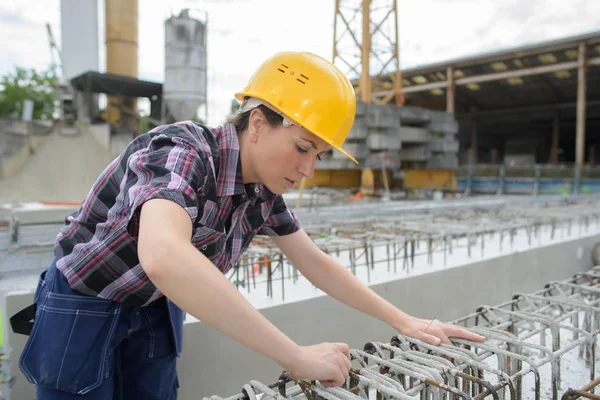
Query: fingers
pixel 429 339
pixel 344 362
pixel 338 378
pixel 455 331
pixel 344 348
pixel 348 364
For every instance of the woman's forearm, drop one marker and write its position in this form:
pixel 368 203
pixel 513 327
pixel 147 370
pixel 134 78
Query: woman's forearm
pixel 191 281
pixel 339 283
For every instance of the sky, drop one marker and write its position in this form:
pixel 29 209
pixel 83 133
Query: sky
pixel 243 33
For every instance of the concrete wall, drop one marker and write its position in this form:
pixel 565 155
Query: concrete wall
pixel 18 151
pixel 101 132
pixel 215 365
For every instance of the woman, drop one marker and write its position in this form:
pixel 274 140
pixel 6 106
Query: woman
pixel 174 212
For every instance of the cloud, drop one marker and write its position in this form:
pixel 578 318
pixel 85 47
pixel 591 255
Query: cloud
pixel 13 18
pixel 242 33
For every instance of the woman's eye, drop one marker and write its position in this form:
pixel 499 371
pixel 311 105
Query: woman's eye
pixel 319 157
pixel 301 149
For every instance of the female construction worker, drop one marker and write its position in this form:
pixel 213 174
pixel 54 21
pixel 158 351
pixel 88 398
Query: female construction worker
pixel 169 216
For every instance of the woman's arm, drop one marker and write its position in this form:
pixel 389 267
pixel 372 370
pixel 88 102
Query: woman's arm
pixel 190 280
pixel 331 277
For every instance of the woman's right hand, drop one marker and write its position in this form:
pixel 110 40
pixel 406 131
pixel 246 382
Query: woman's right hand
pixel 328 363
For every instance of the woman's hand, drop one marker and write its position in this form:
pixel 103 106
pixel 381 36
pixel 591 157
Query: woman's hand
pixel 327 363
pixel 435 332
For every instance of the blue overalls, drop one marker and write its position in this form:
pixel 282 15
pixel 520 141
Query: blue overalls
pixel 84 347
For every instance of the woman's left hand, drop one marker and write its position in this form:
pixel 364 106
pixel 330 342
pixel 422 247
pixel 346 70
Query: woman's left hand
pixel 435 332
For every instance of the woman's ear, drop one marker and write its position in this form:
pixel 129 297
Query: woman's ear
pixel 255 125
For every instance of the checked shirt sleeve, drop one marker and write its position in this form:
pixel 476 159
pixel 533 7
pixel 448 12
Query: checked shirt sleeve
pixel 169 168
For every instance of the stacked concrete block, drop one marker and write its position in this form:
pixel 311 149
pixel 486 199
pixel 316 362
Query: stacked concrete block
pixel 412 134
pixel 359 130
pixel 384 140
pixel 382 116
pixel 415 153
pixel 444 145
pixel 416 116
pixel 357 149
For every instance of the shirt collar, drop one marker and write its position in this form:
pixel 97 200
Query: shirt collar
pixel 230 181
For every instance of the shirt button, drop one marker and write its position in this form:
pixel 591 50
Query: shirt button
pixel 204 247
pixel 256 190
pixel 243 195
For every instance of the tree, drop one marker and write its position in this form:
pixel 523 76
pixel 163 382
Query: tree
pixel 25 84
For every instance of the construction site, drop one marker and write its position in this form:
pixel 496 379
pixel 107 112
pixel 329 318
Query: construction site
pixel 476 201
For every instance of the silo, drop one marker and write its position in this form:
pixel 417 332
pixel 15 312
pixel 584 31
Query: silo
pixel 121 58
pixel 184 89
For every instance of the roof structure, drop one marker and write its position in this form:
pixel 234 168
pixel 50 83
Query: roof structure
pixel 115 85
pixel 513 92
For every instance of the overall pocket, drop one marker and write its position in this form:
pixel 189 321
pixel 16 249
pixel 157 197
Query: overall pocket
pixel 70 342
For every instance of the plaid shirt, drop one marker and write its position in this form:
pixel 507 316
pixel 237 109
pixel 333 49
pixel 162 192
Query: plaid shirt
pixel 200 170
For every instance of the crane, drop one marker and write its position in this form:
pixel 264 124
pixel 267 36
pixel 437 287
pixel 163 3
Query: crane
pixel 365 45
pixel 65 93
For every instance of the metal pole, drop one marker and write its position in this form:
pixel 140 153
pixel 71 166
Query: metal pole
pixel 474 141
pixel 337 11
pixel 536 183
pixel 581 94
pixel 555 137
pixel 398 84
pixel 501 175
pixel 365 77
pixel 450 90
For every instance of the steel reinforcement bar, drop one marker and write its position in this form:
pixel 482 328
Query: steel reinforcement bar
pixel 535 345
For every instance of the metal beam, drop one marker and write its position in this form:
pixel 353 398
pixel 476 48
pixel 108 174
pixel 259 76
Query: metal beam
pixel 544 69
pixel 581 94
pixel 515 110
pixel 365 76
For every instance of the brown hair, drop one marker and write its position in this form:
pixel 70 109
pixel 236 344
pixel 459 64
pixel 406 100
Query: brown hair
pixel 240 121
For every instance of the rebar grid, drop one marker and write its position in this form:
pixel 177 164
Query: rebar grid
pixel 527 340
pixel 399 240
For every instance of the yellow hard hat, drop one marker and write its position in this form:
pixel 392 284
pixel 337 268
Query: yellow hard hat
pixel 309 90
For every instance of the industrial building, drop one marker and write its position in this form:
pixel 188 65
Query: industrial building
pixel 474 203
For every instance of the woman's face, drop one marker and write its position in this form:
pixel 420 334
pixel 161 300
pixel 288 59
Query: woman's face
pixel 282 156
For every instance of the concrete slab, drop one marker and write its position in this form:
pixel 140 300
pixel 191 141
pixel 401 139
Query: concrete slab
pixel 444 126
pixel 359 129
pixel 410 134
pixel 443 145
pixel 382 116
pixel 415 153
pixel 411 115
pixel 383 141
pixel 358 150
